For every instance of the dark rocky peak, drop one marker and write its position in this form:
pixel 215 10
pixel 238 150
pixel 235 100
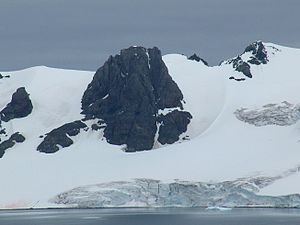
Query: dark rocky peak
pixel 131 57
pixel 19 107
pixel 126 94
pixel 259 53
pixel 132 71
pixel 242 63
pixel 196 58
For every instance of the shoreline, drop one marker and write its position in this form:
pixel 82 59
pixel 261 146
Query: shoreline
pixel 141 208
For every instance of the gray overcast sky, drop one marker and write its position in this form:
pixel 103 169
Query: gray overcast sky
pixel 81 34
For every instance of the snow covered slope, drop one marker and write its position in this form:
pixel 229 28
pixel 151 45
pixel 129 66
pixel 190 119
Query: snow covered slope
pixel 242 127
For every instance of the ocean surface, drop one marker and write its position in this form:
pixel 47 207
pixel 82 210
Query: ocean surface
pixel 151 217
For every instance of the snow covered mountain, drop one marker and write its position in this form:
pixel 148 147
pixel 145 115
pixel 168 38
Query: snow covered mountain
pixel 230 130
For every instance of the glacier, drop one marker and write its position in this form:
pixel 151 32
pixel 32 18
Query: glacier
pixel 154 193
pixel 242 192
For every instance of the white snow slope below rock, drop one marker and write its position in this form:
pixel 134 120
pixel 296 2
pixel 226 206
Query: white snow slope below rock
pixel 222 146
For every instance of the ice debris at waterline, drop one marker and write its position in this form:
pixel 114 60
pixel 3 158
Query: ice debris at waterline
pixel 154 193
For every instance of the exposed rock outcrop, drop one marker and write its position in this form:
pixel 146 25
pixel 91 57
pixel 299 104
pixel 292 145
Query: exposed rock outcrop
pixel 259 53
pixel 127 92
pixel 236 79
pixel 172 125
pixel 242 67
pixel 60 137
pixel 19 107
pixel 255 54
pixel 6 76
pixel 14 138
pixel 196 58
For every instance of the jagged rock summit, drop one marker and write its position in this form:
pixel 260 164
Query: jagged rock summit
pixel 196 58
pixel 128 92
pixel 259 53
pixel 254 54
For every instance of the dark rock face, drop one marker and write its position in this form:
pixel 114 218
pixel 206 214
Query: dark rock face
pixel 196 58
pixel 259 53
pixel 242 67
pixel 14 138
pixel 2 131
pixel 1 76
pixel 127 92
pixel 172 125
pixel 19 107
pixel 258 56
pixel 59 137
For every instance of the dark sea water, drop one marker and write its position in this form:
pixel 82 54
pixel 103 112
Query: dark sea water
pixel 151 217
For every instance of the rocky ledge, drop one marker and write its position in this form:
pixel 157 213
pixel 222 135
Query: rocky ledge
pixel 60 137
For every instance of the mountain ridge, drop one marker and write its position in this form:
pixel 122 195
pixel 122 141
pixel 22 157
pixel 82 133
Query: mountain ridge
pixel 220 143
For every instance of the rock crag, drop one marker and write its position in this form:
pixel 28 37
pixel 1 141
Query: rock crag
pixel 126 94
